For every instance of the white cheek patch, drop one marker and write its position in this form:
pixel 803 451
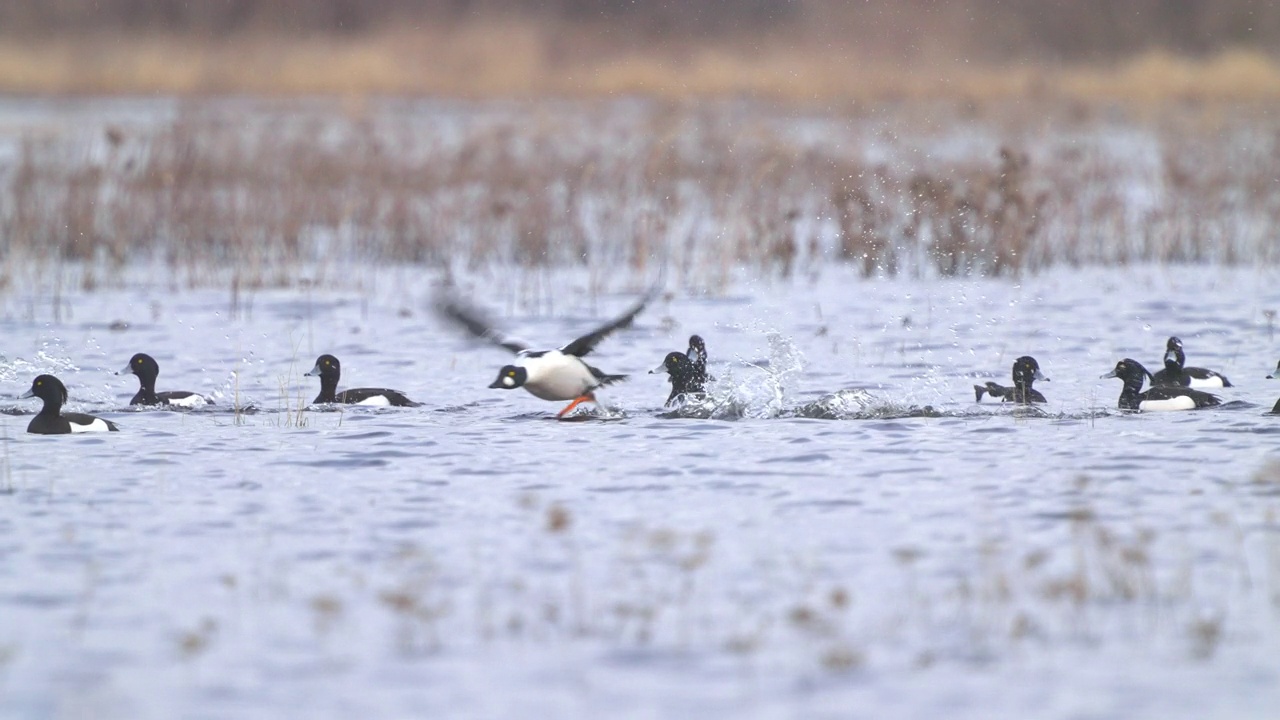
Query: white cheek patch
pixel 508 381
pixel 376 401
pixel 98 425
pixel 1182 402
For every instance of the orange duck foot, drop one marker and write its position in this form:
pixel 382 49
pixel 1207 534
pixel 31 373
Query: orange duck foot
pixel 589 397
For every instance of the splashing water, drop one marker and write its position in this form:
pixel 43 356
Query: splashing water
pixel 757 395
pixel 858 404
pixel 22 371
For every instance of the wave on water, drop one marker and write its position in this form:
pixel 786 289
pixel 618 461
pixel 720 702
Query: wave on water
pixel 859 405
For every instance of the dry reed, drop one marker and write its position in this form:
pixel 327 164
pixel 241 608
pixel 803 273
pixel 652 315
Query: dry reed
pixel 513 56
pixel 251 194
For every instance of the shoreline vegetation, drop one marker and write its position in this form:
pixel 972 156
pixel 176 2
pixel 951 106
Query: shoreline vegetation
pixel 904 137
pixel 817 53
pixel 262 188
pixel 518 60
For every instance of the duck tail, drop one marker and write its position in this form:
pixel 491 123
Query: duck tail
pixel 978 392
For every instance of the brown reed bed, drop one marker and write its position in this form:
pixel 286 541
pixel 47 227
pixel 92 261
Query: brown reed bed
pixel 517 59
pixel 250 192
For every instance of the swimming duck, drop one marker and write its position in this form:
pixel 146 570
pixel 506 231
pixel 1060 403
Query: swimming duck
pixel 1172 374
pixel 687 371
pixel 147 369
pixel 560 374
pixel 1157 398
pixel 1176 374
pixel 1025 372
pixel 329 370
pixel 51 420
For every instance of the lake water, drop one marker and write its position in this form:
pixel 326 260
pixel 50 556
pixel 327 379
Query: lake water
pixel 919 556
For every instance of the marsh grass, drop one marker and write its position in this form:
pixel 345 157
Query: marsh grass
pixel 246 195
pixel 837 53
pixel 292 410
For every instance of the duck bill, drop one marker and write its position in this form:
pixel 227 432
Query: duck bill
pixel 1040 376
pixel 496 385
pixel 126 370
pixel 313 371
pixel 27 394
pixel 1108 375
pixel 660 370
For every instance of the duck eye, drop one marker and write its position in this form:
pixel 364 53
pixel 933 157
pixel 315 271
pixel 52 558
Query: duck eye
pixel 511 373
pixel 139 361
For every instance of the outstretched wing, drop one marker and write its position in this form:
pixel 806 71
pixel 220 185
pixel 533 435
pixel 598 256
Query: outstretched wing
pixel 585 344
pixel 467 317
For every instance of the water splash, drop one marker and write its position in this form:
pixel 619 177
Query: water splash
pixel 857 404
pixel 20 370
pixel 760 392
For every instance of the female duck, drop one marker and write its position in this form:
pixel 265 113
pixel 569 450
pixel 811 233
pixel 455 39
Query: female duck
pixel 51 420
pixel 1025 373
pixel 329 370
pixel 147 370
pixel 1176 373
pixel 1157 398
pixel 687 371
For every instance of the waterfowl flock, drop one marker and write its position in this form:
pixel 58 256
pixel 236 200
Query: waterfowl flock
pixel 563 375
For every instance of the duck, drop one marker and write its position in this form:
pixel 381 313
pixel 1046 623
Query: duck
pixel 329 370
pixel 1157 398
pixel 1172 375
pixel 147 369
pixel 1025 372
pixel 1177 375
pixel 558 374
pixel 687 371
pixel 51 420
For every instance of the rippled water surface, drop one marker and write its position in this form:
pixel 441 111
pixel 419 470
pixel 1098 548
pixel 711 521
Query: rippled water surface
pixel 918 555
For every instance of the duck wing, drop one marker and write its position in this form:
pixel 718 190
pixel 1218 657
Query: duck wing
pixel 585 344
pixel 470 319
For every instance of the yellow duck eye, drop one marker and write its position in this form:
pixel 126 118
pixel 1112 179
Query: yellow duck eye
pixel 39 382
pixel 511 373
pixel 139 361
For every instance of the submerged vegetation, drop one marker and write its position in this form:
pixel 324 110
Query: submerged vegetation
pixel 252 194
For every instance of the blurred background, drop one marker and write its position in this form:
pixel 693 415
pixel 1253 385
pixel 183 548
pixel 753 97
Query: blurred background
pixel 265 142
pixel 805 50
